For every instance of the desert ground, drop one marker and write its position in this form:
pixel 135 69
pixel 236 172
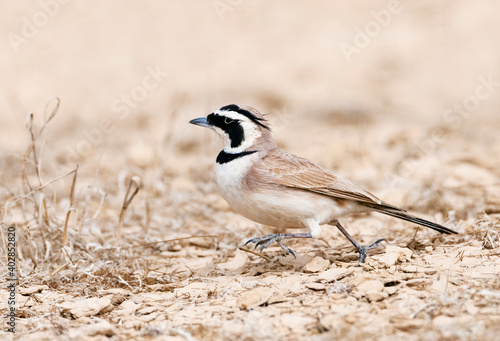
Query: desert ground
pixel 121 232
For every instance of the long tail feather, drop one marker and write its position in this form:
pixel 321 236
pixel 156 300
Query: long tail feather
pixel 410 218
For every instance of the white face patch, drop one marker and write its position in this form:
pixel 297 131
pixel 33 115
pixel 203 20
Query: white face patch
pixel 251 132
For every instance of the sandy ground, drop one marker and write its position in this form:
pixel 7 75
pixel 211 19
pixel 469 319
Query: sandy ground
pixel 402 98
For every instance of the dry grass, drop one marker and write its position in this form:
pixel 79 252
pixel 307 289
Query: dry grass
pixel 74 244
pixel 129 239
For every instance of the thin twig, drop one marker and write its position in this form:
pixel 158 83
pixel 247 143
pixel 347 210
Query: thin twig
pixel 148 217
pixel 126 202
pixel 162 241
pixel 2 224
pixel 71 207
pixel 65 231
pixel 52 114
pixel 255 253
pixel 59 269
pixel 38 188
pixel 24 177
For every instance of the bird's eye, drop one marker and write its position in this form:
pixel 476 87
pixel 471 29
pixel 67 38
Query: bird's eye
pixel 228 120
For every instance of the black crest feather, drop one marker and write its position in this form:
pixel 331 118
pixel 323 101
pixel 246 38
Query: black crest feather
pixel 257 120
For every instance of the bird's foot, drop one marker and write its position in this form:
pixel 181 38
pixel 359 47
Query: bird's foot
pixel 265 241
pixel 363 248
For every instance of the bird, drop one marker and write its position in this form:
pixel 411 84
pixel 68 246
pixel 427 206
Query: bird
pixel 273 187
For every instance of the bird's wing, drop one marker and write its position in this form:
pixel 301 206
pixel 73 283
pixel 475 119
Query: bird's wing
pixel 293 171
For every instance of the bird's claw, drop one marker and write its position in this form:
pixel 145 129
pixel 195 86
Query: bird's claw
pixel 362 250
pixel 265 241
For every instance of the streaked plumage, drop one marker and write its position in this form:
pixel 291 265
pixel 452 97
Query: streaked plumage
pixel 276 188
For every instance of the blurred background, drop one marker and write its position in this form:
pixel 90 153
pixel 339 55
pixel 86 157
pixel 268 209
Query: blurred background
pixel 403 97
pixel 384 66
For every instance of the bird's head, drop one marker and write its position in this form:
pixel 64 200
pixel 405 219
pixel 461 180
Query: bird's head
pixel 240 127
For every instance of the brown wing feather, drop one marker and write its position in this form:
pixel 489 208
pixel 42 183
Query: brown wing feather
pixel 295 172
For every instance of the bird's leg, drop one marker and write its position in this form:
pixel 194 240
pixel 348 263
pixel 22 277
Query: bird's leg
pixel 265 241
pixel 361 248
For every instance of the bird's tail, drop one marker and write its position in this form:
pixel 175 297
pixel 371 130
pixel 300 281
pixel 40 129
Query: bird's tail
pixel 403 215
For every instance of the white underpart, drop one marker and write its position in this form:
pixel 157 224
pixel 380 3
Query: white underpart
pixel 229 177
pixel 282 209
pixel 251 132
pixel 294 209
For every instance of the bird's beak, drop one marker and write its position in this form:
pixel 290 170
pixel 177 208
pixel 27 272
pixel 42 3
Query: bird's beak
pixel 202 122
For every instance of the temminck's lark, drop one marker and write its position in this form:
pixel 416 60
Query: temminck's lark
pixel 273 187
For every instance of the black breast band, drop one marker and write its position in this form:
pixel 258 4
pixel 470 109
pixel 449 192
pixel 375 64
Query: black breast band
pixel 224 157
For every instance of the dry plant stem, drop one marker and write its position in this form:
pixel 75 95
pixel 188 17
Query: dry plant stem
pixel 101 203
pixel 37 165
pixel 38 189
pixel 59 269
pixel 255 253
pixel 71 207
pixel 2 224
pixel 126 202
pixel 65 231
pixel 148 217
pixel 25 180
pixel 32 149
pixel 52 114
pixel 414 239
pixel 35 247
pixel 165 241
